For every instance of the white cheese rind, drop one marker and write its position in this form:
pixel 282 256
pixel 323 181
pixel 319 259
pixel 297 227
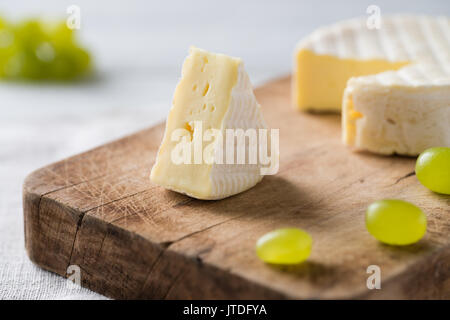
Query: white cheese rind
pixel 244 113
pixel 397 120
pixel 420 39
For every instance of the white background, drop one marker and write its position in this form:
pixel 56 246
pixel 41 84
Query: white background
pixel 138 48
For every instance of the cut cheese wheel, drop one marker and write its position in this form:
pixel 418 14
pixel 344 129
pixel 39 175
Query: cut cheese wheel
pixel 392 83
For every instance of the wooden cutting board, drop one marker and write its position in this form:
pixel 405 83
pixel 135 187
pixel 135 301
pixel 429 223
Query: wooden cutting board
pixel 132 239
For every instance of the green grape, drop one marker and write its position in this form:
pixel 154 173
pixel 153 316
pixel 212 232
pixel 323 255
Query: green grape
pixel 41 51
pixel 62 34
pixel 8 48
pixel 70 62
pixel 396 222
pixel 433 169
pixel 284 246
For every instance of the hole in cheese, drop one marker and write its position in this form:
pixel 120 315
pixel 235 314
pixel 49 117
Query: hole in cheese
pixel 355 114
pixel 205 62
pixel 189 128
pixel 205 91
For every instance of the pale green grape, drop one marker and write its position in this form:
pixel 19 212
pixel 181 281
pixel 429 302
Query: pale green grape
pixel 41 51
pixel 8 48
pixel 284 246
pixel 433 169
pixel 396 222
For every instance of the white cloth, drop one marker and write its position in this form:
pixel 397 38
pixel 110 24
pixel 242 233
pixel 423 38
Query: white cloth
pixel 139 47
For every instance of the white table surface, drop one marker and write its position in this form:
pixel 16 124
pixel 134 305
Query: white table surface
pixel 139 47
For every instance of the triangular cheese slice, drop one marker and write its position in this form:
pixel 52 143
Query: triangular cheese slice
pixel 214 94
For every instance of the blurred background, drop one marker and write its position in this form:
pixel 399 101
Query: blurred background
pixel 136 49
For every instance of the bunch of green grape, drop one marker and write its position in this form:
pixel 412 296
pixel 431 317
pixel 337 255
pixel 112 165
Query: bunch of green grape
pixel 40 51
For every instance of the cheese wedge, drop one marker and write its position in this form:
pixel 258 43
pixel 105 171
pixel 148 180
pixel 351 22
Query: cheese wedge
pixel 392 83
pixel 213 95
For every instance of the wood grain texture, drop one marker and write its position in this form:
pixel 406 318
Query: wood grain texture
pixel 132 239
